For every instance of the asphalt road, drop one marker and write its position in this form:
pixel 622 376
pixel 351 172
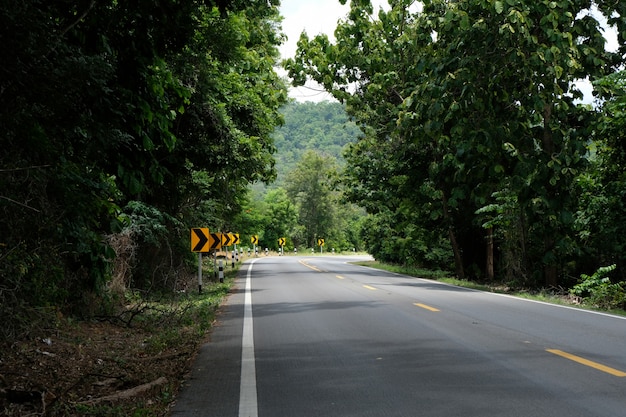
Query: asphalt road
pixel 318 336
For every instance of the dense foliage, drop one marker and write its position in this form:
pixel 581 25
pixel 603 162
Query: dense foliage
pixel 306 202
pixel 323 127
pixel 123 124
pixel 473 131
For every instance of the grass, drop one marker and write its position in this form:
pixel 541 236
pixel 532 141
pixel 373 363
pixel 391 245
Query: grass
pixel 412 271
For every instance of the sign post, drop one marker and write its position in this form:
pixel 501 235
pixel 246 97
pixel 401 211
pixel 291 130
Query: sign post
pixel 281 243
pixel 254 239
pixel 320 242
pixel 236 240
pixel 199 272
pixel 200 243
pixel 227 241
pixel 200 239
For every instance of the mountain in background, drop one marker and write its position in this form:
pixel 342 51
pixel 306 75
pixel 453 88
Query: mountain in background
pixel 323 127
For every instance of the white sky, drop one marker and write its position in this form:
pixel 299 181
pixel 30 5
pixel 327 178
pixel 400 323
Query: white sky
pixel 314 17
pixel 321 16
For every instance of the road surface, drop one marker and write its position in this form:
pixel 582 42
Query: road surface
pixel 318 336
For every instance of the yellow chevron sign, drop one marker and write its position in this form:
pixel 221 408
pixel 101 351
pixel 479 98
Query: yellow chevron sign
pixel 228 239
pixel 215 241
pixel 200 239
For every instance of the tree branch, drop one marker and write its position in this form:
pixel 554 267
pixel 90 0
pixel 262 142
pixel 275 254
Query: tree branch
pixel 20 204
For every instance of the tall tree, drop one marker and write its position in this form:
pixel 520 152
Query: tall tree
pixel 470 98
pixel 312 186
pixel 280 219
pixel 115 113
pixel 600 219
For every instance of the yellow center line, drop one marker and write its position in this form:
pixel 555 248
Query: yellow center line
pixel 339 276
pixel 424 306
pixel 587 362
pixel 369 288
pixel 310 266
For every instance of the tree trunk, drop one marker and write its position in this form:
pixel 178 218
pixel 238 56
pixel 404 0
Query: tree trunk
pixel 458 260
pixel 548 143
pixel 550 275
pixel 549 270
pixel 489 266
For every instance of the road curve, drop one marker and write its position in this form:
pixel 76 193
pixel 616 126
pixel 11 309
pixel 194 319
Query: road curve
pixel 333 339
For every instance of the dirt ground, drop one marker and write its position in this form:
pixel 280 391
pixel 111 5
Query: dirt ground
pixel 95 369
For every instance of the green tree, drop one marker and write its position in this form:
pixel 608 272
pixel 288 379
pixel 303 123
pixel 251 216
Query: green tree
pixel 466 99
pixel 280 219
pixel 600 218
pixel 324 128
pixel 312 187
pixel 311 126
pixel 127 115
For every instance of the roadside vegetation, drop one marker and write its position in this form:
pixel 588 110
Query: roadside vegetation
pixel 596 292
pixel 477 152
pixel 130 361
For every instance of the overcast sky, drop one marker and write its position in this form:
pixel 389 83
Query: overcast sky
pixel 321 16
pixel 314 17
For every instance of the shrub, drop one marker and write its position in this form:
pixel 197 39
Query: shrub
pixel 599 290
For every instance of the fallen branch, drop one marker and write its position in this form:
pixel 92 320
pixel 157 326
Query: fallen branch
pixel 20 204
pixel 129 393
pixel 156 358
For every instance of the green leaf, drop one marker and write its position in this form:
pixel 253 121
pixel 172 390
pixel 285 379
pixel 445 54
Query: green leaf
pixel 499 7
pixel 465 22
pixel 558 72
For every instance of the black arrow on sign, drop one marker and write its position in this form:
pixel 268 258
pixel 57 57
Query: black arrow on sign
pixel 227 239
pixel 202 240
pixel 217 241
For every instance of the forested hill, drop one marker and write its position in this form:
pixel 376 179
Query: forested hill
pixel 323 127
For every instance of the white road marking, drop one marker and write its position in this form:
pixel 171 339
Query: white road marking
pixel 247 390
